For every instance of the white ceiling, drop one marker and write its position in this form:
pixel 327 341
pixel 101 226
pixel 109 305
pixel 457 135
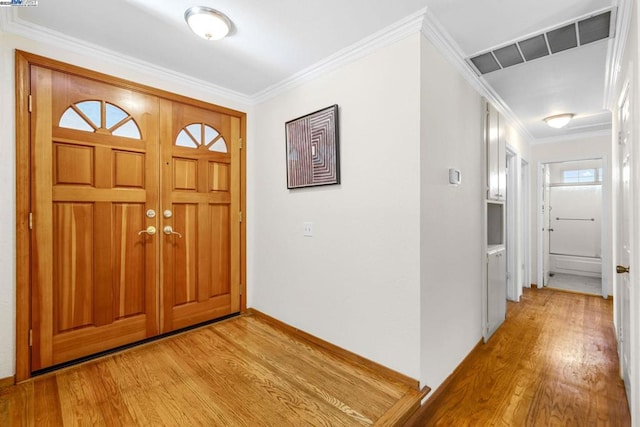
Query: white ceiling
pixel 274 40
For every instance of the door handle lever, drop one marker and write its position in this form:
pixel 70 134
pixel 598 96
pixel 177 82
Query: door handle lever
pixel 622 269
pixel 168 230
pixel 150 230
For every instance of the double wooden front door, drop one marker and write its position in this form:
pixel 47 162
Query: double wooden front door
pixel 135 204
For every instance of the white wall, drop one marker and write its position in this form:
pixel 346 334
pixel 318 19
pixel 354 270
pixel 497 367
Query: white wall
pixel 85 58
pixel 354 283
pixel 451 217
pixel 581 148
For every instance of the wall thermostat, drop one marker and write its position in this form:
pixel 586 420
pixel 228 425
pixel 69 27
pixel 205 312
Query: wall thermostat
pixel 454 176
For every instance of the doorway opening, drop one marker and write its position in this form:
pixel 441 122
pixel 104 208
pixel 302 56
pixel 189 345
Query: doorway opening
pixel 572 212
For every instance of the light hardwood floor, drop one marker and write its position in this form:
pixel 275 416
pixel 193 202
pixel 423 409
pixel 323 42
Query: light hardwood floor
pixel 245 371
pixel 552 363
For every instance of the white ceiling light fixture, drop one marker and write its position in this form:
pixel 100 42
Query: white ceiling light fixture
pixel 207 23
pixel 558 121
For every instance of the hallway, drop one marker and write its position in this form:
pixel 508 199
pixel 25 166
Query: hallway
pixel 553 362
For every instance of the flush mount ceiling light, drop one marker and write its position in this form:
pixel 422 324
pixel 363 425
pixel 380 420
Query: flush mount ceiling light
pixel 207 23
pixel 558 121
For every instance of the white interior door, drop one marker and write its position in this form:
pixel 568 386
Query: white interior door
pixel 624 244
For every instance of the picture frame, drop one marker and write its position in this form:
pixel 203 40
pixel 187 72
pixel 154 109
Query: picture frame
pixel 312 149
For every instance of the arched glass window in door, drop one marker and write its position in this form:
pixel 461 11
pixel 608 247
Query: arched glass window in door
pixel 100 117
pixel 203 136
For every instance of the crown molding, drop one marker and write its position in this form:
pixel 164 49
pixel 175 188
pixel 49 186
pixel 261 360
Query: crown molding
pixel 10 23
pixel 572 136
pixel 385 37
pixel 616 53
pixel 433 30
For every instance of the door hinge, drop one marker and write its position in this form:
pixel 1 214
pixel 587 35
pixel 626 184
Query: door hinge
pixel 240 289
pixel 240 216
pixel 241 143
pixel 30 337
pixel 30 220
pixel 620 138
pixel 30 103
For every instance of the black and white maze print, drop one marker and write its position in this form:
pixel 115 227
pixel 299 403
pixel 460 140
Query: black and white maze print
pixel 312 150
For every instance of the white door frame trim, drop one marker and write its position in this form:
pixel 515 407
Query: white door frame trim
pixel 513 227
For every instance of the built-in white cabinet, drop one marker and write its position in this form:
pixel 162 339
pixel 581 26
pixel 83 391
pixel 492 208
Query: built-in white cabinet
pixel 495 283
pixel 496 289
pixel 495 138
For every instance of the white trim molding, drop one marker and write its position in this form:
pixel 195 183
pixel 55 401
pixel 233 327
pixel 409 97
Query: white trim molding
pixel 573 136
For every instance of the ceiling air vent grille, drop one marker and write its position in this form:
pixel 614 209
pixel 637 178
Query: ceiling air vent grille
pixel 578 33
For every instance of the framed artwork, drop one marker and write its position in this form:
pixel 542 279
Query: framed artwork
pixel 312 149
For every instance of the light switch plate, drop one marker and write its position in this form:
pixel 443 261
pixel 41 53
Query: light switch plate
pixel 307 229
pixel 454 176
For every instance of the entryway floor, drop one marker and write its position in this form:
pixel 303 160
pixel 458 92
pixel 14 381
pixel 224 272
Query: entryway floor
pixel 245 371
pixel 575 283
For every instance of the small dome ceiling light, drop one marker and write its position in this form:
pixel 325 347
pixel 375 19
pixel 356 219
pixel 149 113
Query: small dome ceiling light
pixel 207 23
pixel 558 121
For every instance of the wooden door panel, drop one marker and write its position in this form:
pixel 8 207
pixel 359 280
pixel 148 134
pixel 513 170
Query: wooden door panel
pixel 128 169
pixel 96 339
pixel 94 281
pixel 185 174
pixel 73 266
pixel 192 314
pixel 199 282
pixel 73 164
pixel 184 251
pixel 128 260
pixel 220 248
pixel 219 176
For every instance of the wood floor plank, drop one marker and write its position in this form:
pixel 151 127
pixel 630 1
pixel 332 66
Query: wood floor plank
pixel 312 382
pixel 17 405
pixel 553 362
pixel 244 371
pixel 47 403
pixel 289 361
pixel 313 354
